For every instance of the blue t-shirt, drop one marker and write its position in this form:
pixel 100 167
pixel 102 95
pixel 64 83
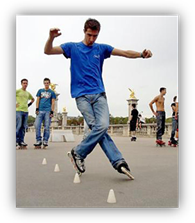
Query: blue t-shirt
pixel 86 67
pixel 46 97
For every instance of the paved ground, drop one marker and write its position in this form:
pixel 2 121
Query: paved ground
pixel 155 170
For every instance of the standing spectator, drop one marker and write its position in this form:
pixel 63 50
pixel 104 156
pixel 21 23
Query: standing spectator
pixel 133 122
pixel 174 126
pixel 160 115
pixel 141 120
pixel 22 98
pixel 44 110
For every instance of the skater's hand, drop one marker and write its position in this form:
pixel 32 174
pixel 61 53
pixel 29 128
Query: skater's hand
pixel 156 114
pixel 54 32
pixel 176 117
pixel 37 111
pixel 51 114
pixel 146 54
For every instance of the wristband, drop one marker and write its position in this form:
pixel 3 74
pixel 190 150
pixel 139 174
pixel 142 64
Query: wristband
pixel 51 112
pixel 37 109
pixel 29 104
pixel 142 55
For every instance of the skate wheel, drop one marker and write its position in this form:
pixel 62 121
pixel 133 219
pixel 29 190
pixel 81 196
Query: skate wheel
pixel 23 147
pixel 73 163
pixel 80 174
pixel 37 147
pixel 69 155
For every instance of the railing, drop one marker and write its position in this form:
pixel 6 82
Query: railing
pixel 118 130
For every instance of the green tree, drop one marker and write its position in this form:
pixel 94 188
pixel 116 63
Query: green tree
pixel 31 120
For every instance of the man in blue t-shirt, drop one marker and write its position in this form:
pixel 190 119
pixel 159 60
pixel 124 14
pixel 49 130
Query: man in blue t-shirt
pixel 87 58
pixel 44 110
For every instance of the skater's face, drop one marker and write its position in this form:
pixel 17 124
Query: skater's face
pixel 46 83
pixel 90 36
pixel 164 91
pixel 24 84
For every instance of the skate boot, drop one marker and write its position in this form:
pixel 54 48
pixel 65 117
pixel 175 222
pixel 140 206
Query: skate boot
pixel 160 143
pixel 45 145
pixel 78 163
pixel 22 145
pixel 122 167
pixel 38 145
pixel 172 142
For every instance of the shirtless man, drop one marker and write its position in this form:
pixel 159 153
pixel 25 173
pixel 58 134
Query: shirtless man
pixel 160 114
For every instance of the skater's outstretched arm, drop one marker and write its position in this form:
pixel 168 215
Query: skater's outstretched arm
pixel 49 49
pixel 131 53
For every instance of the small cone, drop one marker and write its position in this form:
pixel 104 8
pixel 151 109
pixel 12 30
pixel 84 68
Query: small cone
pixel 56 169
pixel 76 179
pixel 44 162
pixel 111 197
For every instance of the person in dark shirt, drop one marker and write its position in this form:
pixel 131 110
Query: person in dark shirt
pixel 133 122
pixel 173 141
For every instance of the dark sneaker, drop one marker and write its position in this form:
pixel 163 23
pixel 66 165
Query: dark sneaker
pixel 78 163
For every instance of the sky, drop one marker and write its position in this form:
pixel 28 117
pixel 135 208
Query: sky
pixel 144 76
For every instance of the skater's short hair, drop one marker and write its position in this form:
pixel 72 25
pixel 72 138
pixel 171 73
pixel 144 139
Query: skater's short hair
pixel 46 79
pixel 133 105
pixel 175 98
pixel 173 104
pixel 92 24
pixel 162 89
pixel 24 79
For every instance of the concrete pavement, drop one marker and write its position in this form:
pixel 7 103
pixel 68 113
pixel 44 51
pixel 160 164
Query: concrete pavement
pixel 155 170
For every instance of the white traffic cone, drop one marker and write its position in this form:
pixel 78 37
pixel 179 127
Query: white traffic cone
pixel 56 169
pixel 44 162
pixel 76 179
pixel 111 197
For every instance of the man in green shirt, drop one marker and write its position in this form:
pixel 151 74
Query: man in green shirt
pixel 22 98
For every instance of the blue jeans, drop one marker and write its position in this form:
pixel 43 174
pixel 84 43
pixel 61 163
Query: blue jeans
pixel 160 124
pixel 21 123
pixel 174 128
pixel 43 116
pixel 94 109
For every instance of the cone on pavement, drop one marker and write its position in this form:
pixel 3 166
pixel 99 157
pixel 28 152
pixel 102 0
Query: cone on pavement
pixel 56 169
pixel 111 197
pixel 76 179
pixel 44 162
